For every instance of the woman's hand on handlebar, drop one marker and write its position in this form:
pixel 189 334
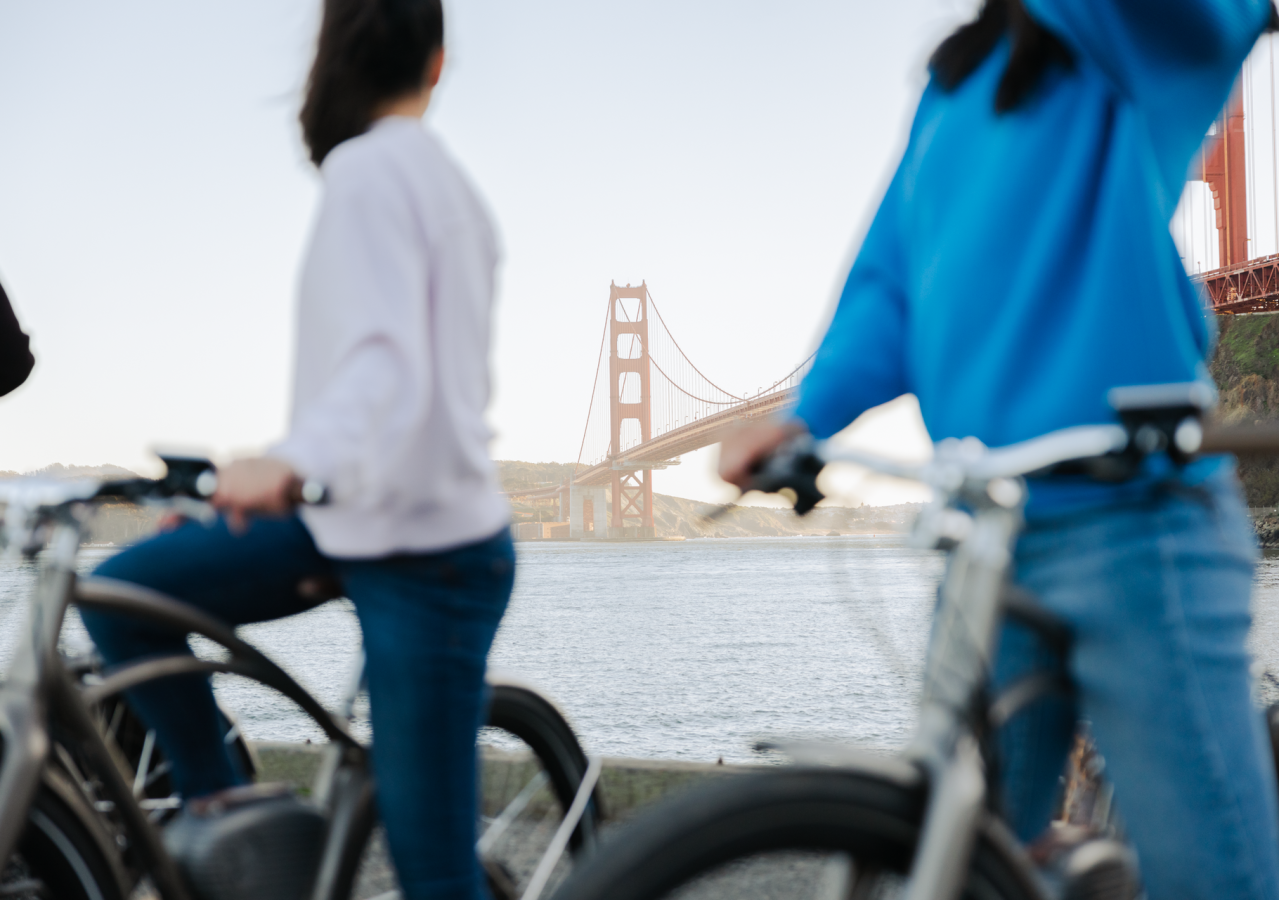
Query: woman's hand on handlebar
pixel 258 485
pixel 749 445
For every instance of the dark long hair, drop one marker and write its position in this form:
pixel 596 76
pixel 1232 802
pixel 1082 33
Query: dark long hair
pixel 369 51
pixel 1034 50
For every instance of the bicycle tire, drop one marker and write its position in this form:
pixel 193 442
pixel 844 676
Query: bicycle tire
pixel 522 712
pixel 59 853
pixel 869 817
pixel 536 721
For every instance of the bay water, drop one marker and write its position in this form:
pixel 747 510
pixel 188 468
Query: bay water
pixel 693 650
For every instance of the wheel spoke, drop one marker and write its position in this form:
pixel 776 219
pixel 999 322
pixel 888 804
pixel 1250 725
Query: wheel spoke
pixel 158 772
pixel 116 717
pixel 509 814
pixel 144 763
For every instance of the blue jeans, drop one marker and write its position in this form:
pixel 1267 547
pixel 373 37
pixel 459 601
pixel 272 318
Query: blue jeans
pixel 428 622
pixel 1157 595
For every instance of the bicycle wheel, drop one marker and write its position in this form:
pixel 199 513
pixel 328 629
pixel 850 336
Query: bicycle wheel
pixel 149 770
pixel 789 833
pixel 531 766
pixel 59 857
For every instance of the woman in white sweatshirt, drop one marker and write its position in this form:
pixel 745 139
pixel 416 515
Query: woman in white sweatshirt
pixel 391 384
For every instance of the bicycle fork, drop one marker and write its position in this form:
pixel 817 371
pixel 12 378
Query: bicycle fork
pixel 963 642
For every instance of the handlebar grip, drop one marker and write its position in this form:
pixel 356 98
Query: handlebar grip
pixel 305 492
pixel 127 488
pixel 793 468
pixel 188 476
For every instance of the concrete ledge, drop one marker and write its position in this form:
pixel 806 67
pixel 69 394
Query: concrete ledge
pixel 626 784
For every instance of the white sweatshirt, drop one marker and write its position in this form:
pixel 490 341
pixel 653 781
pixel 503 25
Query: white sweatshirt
pixel 393 324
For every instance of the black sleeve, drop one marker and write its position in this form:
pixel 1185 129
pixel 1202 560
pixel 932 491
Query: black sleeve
pixel 16 360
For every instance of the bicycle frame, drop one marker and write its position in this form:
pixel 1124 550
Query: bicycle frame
pixel 955 675
pixel 39 689
pixel 946 746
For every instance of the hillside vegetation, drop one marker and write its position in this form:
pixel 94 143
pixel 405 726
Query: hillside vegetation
pixel 524 476
pixel 1246 369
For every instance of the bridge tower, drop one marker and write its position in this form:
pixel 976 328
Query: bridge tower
pixel 1222 163
pixel 631 402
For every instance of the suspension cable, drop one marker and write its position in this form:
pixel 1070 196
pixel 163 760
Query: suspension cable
pixel 591 407
pixel 681 349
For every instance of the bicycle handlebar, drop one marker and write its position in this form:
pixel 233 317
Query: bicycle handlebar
pixel 189 477
pixel 1242 440
pixel 1107 448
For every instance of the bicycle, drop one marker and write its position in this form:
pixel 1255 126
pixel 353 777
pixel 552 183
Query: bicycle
pixel 80 775
pixel 922 824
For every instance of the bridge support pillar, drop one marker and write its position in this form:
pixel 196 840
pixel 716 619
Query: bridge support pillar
pixel 1222 163
pixel 579 497
pixel 631 410
pixel 633 495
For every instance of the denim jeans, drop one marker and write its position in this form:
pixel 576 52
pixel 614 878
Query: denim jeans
pixel 428 622
pixel 1157 596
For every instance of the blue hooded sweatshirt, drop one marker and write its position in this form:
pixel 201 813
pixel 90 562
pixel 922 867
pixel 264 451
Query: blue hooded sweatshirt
pixel 1020 264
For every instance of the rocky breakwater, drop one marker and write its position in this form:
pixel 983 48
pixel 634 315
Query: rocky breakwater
pixel 1267 527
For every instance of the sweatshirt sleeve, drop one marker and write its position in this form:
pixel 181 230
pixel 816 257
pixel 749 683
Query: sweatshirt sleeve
pixel 861 360
pixel 16 361
pixel 362 334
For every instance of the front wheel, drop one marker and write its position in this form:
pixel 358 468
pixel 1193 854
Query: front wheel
pixel 531 769
pixel 792 833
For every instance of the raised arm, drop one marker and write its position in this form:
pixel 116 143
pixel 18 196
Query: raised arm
pixel 860 363
pixel 1153 48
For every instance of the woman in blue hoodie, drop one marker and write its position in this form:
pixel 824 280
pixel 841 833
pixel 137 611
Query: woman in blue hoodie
pixel 1019 266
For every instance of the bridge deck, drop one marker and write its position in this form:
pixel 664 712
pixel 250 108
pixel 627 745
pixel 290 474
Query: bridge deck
pixel 1251 286
pixel 661 450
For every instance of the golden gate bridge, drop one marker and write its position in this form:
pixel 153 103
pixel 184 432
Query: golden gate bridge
pixel 650 404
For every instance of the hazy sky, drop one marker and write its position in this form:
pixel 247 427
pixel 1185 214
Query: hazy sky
pixel 155 200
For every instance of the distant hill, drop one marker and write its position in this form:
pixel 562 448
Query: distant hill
pixel 62 473
pixel 526 476
pixel 113 522
pixel 676 516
